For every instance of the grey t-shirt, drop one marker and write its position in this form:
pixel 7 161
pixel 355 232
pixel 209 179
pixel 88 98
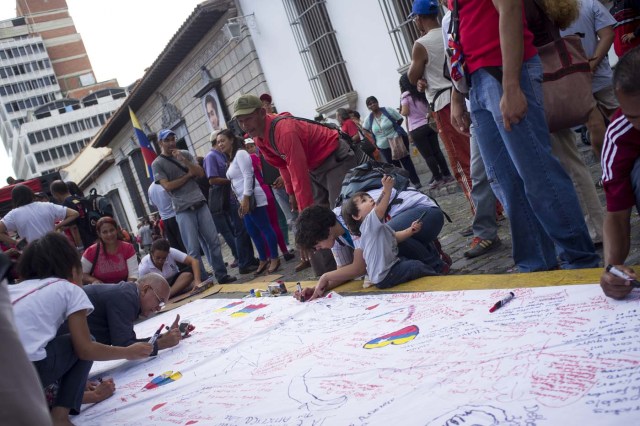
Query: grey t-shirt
pixel 185 196
pixel 379 246
pixel 593 17
pixel 145 235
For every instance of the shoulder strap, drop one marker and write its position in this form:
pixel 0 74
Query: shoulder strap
pixel 370 120
pixel 95 259
pixel 34 290
pixel 183 168
pixel 397 127
pixel 454 26
pixel 386 113
pixel 432 105
pixel 550 27
pixel 276 120
pixel 272 133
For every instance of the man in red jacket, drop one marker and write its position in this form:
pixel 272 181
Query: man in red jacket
pixel 312 158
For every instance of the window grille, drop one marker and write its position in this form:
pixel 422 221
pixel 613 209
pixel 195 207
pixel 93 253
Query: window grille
pixel 319 49
pixel 402 31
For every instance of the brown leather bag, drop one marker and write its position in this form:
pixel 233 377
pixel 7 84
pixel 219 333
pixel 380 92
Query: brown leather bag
pixel 566 84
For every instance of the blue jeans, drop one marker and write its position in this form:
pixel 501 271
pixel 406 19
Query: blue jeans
pixel 420 246
pixel 199 223
pixel 482 196
pixel 534 189
pixel 62 365
pixel 403 271
pixel 259 228
pixel 225 228
pixel 232 229
pixel 635 182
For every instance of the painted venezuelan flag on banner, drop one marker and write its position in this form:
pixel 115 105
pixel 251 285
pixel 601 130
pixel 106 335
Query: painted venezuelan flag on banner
pixel 147 150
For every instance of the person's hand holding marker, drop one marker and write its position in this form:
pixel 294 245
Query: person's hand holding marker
pixel 618 281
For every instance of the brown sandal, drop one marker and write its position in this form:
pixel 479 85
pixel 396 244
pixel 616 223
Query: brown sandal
pixel 261 269
pixel 272 270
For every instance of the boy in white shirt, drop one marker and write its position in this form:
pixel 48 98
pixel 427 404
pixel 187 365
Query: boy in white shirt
pixel 365 217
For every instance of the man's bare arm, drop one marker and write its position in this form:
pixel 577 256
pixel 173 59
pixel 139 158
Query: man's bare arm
pixel 172 185
pixel 419 59
pixel 605 40
pixel 513 104
pixel 617 237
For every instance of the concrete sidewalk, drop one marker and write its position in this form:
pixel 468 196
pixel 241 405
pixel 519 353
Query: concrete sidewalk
pixel 453 202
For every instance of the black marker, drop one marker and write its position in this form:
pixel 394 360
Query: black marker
pixel 621 274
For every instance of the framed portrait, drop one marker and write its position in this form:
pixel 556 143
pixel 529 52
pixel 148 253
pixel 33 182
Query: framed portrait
pixel 213 111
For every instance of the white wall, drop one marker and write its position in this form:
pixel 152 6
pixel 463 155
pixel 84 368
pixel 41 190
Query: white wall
pixel 279 58
pixel 364 41
pixel 112 179
pixel 367 49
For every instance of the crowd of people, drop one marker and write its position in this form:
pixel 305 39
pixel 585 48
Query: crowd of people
pixel 77 287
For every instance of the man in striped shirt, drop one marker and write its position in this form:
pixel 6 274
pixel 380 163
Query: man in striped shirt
pixel 621 173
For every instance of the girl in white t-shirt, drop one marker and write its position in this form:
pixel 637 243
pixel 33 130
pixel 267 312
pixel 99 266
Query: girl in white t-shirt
pixel 45 299
pixel 163 259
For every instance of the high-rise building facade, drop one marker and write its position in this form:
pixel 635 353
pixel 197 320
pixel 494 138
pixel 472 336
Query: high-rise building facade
pixel 50 103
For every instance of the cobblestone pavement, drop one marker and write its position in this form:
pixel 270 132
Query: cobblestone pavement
pixel 452 201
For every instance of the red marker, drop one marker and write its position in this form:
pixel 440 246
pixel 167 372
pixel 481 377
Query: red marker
pixel 502 302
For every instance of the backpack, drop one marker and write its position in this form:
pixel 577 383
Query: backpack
pixel 361 154
pixel 368 176
pixel 96 206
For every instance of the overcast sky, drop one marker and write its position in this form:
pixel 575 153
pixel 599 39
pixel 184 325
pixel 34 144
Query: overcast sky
pixel 122 40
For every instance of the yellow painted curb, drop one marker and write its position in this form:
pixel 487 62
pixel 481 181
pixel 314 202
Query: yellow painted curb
pixel 456 282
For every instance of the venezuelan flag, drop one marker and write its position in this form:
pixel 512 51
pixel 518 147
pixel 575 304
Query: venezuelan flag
pixel 147 150
pixel 399 337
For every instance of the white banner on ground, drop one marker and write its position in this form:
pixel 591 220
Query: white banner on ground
pixel 550 356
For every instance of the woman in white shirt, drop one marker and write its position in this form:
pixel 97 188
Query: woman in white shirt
pixel 243 182
pixel 47 297
pixel 163 259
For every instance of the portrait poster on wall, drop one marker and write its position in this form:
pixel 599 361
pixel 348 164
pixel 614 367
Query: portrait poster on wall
pixel 213 111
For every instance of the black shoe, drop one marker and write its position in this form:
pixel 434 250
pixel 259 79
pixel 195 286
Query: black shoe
pixel 467 232
pixel 288 256
pixel 227 279
pixel 248 269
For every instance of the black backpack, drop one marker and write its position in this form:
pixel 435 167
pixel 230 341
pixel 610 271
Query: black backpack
pixel 96 206
pixel 368 176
